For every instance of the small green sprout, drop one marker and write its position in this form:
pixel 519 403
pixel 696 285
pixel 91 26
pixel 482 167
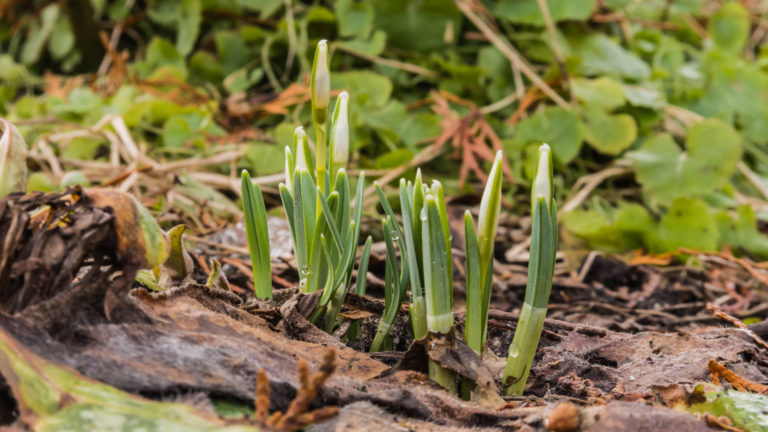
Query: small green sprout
pixel 258 236
pixel 395 284
pixel 217 279
pixel 178 266
pixel 438 276
pixel 479 259
pixel 13 160
pixel 540 272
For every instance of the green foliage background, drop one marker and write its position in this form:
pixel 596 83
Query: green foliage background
pixel 673 93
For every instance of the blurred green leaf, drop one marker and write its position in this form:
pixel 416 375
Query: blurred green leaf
pixel 355 18
pixel 688 223
pixel 40 182
pixel 189 19
pixel 559 128
pixel 373 46
pixel 394 159
pixel 366 89
pixel 233 52
pixel 39 34
pixel 82 148
pixel 162 53
pixel 609 133
pixel 528 12
pixel 602 92
pixel 62 39
pixel 713 150
pixel 418 25
pixel 601 55
pixel 740 232
pixel 265 158
pixel 729 27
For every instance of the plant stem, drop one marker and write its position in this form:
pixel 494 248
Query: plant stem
pixel 523 348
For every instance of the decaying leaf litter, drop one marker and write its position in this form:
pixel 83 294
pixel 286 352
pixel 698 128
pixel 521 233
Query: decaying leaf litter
pixel 591 354
pixel 223 340
pixel 622 341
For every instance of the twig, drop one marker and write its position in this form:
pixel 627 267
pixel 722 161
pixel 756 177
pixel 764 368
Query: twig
pixel 427 154
pixel 555 45
pixel 514 57
pixel 740 383
pixel 753 178
pixel 590 182
pixel 396 64
pixel 737 323
pixel 500 104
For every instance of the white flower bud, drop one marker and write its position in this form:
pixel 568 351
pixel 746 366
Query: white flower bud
pixel 340 131
pixel 321 78
pixel 299 138
pixel 490 216
pixel 542 185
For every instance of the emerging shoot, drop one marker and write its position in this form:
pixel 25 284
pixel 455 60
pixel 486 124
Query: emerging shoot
pixel 479 251
pixel 540 271
pixel 258 236
pixel 438 276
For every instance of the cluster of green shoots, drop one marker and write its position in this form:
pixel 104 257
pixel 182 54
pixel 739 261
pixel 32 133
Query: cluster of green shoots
pixel 324 219
pixel 317 201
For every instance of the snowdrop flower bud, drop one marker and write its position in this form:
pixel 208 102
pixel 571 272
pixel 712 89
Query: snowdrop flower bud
pixel 300 139
pixel 340 132
pixel 490 204
pixel 542 185
pixel 321 78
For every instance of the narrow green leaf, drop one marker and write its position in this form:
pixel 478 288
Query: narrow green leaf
pixel 258 236
pixel 474 325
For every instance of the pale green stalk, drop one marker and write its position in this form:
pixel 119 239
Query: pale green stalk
pixel 540 271
pixel 438 278
pixel 256 231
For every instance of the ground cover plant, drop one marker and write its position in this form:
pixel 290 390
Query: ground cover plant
pixel 563 206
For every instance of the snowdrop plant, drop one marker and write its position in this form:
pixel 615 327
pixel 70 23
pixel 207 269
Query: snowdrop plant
pixel 320 93
pixel 409 241
pixel 541 267
pixel 438 275
pixel 395 286
pixel 258 236
pixel 324 226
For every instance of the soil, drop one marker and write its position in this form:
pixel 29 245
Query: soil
pixel 621 343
